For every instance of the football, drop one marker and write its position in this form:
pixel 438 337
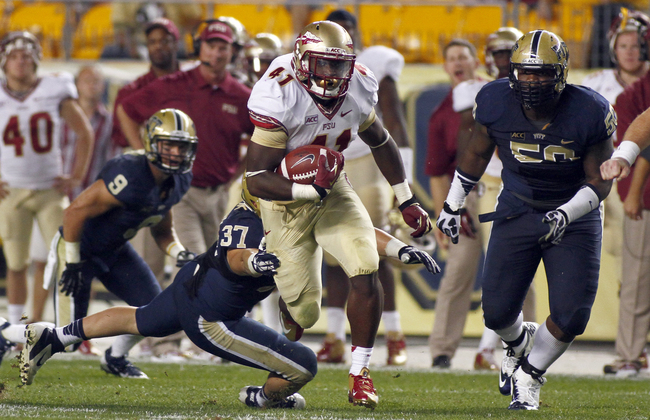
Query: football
pixel 301 164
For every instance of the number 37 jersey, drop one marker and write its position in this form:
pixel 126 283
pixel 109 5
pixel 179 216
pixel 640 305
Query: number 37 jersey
pixel 30 150
pixel 280 102
pixel 544 165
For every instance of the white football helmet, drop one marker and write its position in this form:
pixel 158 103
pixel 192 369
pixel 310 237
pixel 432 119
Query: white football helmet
pixel 323 59
pixel 20 40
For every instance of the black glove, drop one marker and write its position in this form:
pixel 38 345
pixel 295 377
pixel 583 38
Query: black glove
pixel 558 221
pixel 72 279
pixel 449 222
pixel 265 263
pixel 412 255
pixel 184 257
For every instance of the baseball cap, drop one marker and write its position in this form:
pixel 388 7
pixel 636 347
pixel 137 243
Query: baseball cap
pixel 217 30
pixel 165 24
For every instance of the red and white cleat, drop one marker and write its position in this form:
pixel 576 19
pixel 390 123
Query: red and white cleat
pixel 362 391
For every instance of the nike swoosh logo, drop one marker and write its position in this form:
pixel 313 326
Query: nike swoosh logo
pixel 266 232
pixel 566 141
pixel 502 382
pixel 310 157
pixel 343 114
pixel 285 330
pixel 44 355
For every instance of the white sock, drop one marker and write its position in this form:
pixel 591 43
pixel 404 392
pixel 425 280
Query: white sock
pixel 271 312
pixel 336 322
pixel 489 340
pixel 123 344
pixel 15 313
pixel 391 321
pixel 512 332
pixel 15 333
pixel 360 359
pixel 546 350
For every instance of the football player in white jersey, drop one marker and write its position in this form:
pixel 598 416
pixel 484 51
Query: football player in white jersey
pixel 375 194
pixel 32 183
pixel 627 45
pixel 318 95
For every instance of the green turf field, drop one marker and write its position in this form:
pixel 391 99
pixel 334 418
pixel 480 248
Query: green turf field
pixel 77 389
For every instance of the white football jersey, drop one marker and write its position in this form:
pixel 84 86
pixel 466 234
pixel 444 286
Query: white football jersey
pixel 464 94
pixel 279 101
pixel 464 97
pixel 30 151
pixel 606 83
pixel 383 62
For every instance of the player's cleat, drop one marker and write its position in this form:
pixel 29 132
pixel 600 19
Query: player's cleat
pixel 5 345
pixel 396 345
pixel 87 349
pixel 484 360
pixel 42 343
pixel 333 350
pixel 248 395
pixel 121 367
pixel 525 391
pixel 441 362
pixel 362 391
pixel 512 359
pixel 290 328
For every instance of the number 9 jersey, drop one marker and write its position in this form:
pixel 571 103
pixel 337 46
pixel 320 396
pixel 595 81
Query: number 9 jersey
pixel 30 151
pixel 280 102
pixel 129 179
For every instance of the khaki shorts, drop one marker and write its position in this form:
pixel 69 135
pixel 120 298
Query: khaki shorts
pixel 17 213
pixel 298 232
pixel 373 190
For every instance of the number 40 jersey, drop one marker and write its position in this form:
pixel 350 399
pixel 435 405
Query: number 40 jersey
pixel 30 151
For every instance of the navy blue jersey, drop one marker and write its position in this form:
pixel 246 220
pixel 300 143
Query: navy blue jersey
pixel 223 294
pixel 129 178
pixel 544 166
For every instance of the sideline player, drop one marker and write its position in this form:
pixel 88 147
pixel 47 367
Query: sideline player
pixel 552 138
pixel 209 300
pixel 133 191
pixel 374 192
pixel 32 184
pixel 317 95
pixel 628 49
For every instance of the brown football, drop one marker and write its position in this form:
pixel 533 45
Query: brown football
pixel 301 164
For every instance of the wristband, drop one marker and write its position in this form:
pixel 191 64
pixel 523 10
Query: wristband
pixel 460 187
pixel 251 266
pixel 407 160
pixel 393 246
pixel 584 201
pixel 174 248
pixel 72 252
pixel 304 192
pixel 628 151
pixel 402 191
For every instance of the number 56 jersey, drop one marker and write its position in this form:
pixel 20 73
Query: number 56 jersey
pixel 543 165
pixel 30 150
pixel 279 102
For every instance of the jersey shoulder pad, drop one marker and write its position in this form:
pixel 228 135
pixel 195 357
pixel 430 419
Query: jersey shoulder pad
pixel 490 101
pixel 62 83
pixel 364 89
pixel 382 61
pixel 275 95
pixel 587 103
pixel 242 228
pixel 465 92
